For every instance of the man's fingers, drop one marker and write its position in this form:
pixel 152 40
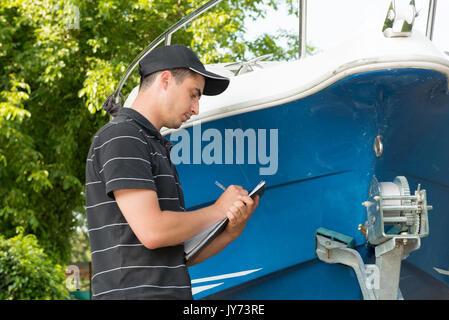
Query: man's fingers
pixel 239 189
pixel 239 213
pixel 236 212
pixel 238 209
pixel 255 202
pixel 247 200
pixel 232 218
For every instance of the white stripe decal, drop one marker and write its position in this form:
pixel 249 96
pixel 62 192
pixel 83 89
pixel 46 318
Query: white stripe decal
pixel 142 286
pixel 225 276
pixel 136 267
pixel 441 271
pixel 196 290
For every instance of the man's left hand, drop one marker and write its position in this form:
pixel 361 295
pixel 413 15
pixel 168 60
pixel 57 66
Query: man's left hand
pixel 239 213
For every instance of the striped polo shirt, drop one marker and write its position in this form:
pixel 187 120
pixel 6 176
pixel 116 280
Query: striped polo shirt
pixel 129 153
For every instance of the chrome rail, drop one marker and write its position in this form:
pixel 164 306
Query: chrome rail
pixel 194 14
pixel 164 36
pixel 302 28
pixel 431 18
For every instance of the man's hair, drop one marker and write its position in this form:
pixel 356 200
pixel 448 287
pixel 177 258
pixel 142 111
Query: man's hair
pixel 179 74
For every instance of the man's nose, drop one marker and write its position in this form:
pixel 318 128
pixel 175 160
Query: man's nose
pixel 195 109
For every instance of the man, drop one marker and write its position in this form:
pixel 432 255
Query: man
pixel 134 200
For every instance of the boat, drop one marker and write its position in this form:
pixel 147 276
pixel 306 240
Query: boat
pixel 353 145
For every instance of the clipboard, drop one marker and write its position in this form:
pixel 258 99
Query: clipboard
pixel 195 244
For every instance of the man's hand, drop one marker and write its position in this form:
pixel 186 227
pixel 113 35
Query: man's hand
pixel 239 213
pixel 228 198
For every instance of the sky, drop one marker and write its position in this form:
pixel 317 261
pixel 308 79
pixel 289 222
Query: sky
pixel 329 21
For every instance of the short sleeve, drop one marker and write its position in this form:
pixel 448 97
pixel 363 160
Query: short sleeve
pixel 123 159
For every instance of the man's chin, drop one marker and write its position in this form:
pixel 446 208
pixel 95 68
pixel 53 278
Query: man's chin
pixel 176 125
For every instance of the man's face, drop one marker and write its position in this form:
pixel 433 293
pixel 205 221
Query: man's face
pixel 183 100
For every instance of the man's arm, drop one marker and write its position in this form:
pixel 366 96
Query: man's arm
pixel 155 228
pixel 238 215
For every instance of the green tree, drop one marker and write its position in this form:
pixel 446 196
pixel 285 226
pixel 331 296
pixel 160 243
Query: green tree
pixel 26 273
pixel 59 60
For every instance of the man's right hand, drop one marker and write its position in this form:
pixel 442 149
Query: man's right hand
pixel 227 199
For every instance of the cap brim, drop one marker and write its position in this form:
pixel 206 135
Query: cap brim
pixel 214 83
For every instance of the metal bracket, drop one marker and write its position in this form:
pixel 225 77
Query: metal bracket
pixel 379 281
pixel 331 251
pixel 400 18
pixel 388 260
pixel 247 66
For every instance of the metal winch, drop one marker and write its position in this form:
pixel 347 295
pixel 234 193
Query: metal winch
pixel 396 222
pixel 392 212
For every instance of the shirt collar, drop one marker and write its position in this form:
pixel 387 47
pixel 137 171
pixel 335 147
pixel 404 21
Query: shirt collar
pixel 138 117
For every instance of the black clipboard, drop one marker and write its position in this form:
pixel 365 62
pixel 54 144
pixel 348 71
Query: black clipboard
pixel 195 244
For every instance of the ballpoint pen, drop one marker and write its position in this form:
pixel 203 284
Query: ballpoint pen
pixel 220 185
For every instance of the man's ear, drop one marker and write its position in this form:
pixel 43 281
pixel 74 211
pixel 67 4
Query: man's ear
pixel 164 79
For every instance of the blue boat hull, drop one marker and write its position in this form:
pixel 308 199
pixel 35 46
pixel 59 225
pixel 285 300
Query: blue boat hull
pixel 325 165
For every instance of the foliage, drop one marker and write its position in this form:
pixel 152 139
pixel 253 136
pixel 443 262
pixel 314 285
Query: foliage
pixel 81 248
pixel 27 273
pixel 59 60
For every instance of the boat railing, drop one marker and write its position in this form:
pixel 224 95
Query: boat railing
pixel 431 18
pixel 166 35
pixel 302 28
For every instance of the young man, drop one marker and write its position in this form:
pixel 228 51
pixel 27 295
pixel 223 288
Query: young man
pixel 134 200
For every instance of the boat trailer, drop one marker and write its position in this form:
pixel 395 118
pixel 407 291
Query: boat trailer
pixel 396 222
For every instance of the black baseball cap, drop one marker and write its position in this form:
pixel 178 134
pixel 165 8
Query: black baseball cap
pixel 178 56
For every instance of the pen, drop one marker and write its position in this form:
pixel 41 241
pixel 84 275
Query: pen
pixel 220 185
